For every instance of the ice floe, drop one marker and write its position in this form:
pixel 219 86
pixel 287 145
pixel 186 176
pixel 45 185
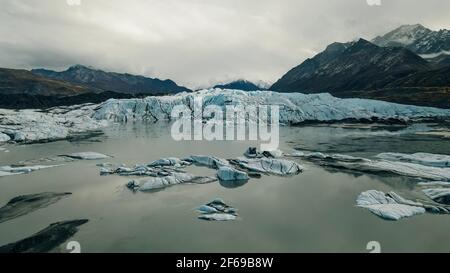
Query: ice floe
pixel 25 204
pixel 172 161
pixel 157 183
pixel 269 166
pixel 12 170
pixel 389 206
pixel 434 160
pixel 87 156
pixel 217 210
pixel 46 240
pixel 253 152
pixel 231 174
pixel 139 170
pixel 208 161
pixel 377 166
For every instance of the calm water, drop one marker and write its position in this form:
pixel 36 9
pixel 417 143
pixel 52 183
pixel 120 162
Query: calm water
pixel 314 211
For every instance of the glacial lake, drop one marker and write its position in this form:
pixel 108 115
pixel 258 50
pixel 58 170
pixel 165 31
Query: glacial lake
pixel 311 212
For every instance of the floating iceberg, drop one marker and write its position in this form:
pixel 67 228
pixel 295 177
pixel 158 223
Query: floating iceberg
pixel 270 166
pixel 157 183
pixel 426 159
pixel 139 170
pixel 389 206
pixel 231 174
pixel 377 166
pixel 10 170
pixel 172 161
pixel 208 161
pixel 253 152
pixel 25 204
pixel 87 156
pixel 47 239
pixel 217 210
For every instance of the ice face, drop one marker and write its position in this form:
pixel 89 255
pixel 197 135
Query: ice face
pixel 65 122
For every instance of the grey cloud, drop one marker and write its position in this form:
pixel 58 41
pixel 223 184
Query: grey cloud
pixel 195 42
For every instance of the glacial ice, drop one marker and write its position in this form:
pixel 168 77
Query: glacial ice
pixel 426 159
pixel 65 122
pixel 377 166
pixel 270 166
pixel 294 107
pixel 45 240
pixel 87 156
pixel 217 217
pixel 208 161
pixel 253 152
pixel 10 170
pixel 389 206
pixel 28 126
pixel 172 162
pixel 231 174
pixel 156 183
pixel 217 210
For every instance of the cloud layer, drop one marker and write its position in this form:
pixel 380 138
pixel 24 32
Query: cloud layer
pixel 196 42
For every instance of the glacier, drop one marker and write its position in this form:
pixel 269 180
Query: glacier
pixel 33 125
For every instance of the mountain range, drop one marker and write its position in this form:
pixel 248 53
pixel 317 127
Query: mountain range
pixel 409 65
pixel 42 88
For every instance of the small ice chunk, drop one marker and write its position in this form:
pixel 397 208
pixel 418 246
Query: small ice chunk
pixel 231 174
pixel 217 210
pixel 87 156
pixel 389 206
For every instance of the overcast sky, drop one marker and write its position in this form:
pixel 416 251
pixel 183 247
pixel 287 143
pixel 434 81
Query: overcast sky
pixel 196 42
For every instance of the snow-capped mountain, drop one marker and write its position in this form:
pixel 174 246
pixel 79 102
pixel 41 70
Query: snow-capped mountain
pixel 418 39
